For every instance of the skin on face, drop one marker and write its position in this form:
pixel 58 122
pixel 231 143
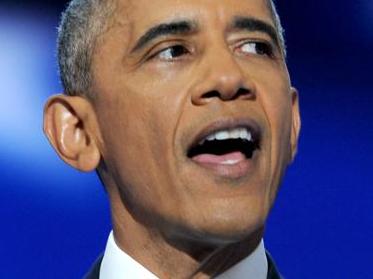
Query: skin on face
pixel 154 97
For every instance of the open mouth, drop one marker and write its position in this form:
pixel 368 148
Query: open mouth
pixel 226 147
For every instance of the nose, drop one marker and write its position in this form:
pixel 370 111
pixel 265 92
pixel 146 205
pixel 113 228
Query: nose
pixel 222 78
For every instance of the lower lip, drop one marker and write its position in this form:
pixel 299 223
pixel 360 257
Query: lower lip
pixel 232 165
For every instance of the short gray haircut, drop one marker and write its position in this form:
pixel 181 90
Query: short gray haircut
pixel 81 24
pixel 280 30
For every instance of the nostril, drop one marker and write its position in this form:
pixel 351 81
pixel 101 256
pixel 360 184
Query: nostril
pixel 240 93
pixel 245 93
pixel 211 94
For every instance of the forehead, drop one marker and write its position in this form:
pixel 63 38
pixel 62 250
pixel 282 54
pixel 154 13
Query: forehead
pixel 143 14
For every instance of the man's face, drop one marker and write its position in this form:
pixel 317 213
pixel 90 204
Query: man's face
pixel 205 67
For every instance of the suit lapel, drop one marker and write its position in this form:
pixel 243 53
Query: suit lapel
pixel 94 273
pixel 273 273
pixel 272 269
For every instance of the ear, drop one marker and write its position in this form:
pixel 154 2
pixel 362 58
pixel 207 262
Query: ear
pixel 71 127
pixel 296 123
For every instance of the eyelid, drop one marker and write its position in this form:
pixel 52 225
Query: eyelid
pixel 164 45
pixel 271 47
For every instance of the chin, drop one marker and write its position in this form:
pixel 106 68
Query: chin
pixel 224 225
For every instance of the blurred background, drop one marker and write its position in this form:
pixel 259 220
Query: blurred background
pixel 55 220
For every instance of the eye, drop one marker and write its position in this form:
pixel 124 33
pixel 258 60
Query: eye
pixel 171 53
pixel 258 48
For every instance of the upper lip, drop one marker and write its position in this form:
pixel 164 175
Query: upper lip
pixel 227 124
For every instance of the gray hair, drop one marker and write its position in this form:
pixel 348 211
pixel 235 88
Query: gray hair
pixel 81 25
pixel 278 25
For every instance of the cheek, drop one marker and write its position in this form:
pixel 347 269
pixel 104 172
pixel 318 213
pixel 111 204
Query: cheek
pixel 276 103
pixel 138 128
pixel 275 99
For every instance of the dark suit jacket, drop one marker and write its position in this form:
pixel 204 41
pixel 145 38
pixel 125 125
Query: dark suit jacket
pixel 272 270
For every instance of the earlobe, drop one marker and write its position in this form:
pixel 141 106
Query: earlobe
pixel 296 123
pixel 70 126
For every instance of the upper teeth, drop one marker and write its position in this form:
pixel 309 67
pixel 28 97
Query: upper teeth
pixel 236 133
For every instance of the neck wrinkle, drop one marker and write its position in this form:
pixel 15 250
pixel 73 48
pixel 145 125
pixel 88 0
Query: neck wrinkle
pixel 226 257
pixel 186 258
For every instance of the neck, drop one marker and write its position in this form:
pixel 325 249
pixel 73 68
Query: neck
pixel 177 257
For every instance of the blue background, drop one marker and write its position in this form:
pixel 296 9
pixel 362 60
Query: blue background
pixel 55 220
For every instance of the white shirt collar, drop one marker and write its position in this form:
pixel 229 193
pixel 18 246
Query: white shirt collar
pixel 255 265
pixel 117 264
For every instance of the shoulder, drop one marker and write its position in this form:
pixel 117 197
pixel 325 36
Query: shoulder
pixel 94 272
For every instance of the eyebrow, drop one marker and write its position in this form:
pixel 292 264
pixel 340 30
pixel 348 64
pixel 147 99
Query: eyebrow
pixel 182 27
pixel 255 25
